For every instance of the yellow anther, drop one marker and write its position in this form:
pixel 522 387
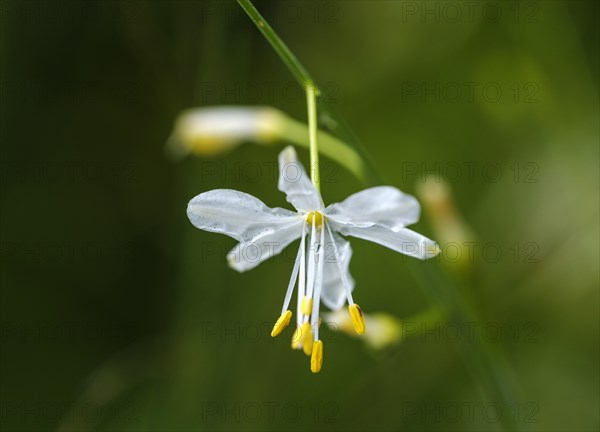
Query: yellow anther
pixel 297 338
pixel 307 344
pixel 301 335
pixel 282 323
pixel 316 359
pixel 358 320
pixel 306 305
pixel 318 217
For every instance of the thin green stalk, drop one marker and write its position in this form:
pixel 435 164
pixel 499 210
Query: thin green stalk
pixel 278 45
pixel 338 126
pixel 311 102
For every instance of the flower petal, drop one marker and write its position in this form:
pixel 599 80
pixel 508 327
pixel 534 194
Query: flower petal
pixel 383 205
pixel 246 256
pixel 333 293
pixel 238 215
pixel 296 184
pixel 401 240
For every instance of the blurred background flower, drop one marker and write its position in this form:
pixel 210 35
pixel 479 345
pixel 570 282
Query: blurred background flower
pixel 382 330
pixel 214 131
pixel 118 315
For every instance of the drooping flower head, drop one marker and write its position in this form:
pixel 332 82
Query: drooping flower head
pixel 321 269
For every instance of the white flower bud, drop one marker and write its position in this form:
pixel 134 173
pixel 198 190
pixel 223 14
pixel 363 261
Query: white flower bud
pixel 212 131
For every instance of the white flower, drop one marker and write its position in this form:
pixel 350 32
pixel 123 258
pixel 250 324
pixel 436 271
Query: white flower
pixel 378 214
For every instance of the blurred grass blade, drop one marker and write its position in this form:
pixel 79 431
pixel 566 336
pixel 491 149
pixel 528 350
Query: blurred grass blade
pixel 481 360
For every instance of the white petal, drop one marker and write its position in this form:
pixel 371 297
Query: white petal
pixel 296 184
pixel 401 240
pixel 246 256
pixel 383 205
pixel 333 293
pixel 237 215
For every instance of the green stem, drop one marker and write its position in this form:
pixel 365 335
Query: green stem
pixel 278 45
pixel 311 102
pixel 301 75
pixel 339 127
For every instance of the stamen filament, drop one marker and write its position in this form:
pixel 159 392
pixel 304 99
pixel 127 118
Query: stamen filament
pixel 314 321
pixel 293 278
pixel 302 279
pixel 311 260
pixel 337 259
pixel 310 283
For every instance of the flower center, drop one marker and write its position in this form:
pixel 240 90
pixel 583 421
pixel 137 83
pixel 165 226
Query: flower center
pixel 318 218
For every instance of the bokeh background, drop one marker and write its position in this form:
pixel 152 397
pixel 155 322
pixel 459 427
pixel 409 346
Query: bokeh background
pixel 118 315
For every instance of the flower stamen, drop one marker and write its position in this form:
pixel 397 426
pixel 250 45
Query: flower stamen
pixel 282 323
pixel 316 359
pixel 302 336
pixel 307 344
pixel 358 320
pixel 297 338
pixel 306 305
pixel 318 285
pixel 338 255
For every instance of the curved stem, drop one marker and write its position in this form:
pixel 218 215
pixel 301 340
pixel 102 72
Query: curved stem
pixel 278 45
pixel 338 124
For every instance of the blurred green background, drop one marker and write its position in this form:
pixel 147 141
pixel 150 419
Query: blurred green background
pixel 118 315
